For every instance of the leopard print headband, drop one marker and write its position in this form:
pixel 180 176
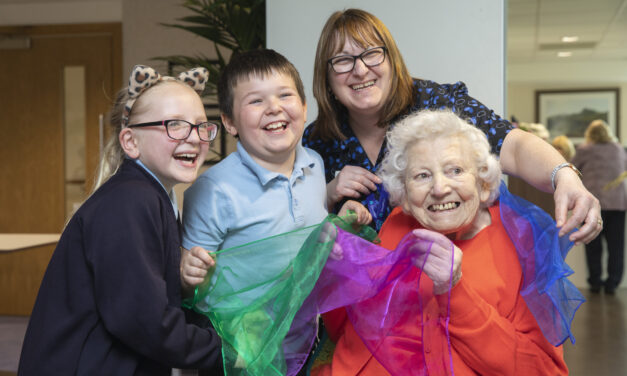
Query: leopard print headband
pixel 143 77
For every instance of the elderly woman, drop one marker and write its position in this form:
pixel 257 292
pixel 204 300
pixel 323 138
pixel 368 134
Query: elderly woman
pixel 440 171
pixel 362 85
pixel 602 159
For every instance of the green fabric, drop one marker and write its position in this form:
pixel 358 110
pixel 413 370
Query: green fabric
pixel 256 290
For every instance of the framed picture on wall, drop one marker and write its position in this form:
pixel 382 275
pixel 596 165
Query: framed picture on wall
pixel 568 112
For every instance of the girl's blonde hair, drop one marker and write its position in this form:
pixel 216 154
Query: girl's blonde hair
pixel 113 155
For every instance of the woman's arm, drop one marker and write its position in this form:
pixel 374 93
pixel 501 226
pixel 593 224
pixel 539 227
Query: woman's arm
pixel 531 158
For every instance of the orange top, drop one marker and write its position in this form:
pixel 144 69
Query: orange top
pixel 492 332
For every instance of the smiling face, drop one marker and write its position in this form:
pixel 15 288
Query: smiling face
pixel 269 117
pixel 364 90
pixel 172 161
pixel 441 187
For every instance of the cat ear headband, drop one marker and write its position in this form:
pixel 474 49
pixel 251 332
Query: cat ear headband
pixel 143 77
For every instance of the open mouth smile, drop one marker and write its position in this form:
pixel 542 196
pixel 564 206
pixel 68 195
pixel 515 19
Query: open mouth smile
pixel 444 206
pixel 276 126
pixel 187 158
pixel 363 85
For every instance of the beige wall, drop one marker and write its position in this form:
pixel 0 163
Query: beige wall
pixel 143 35
pixel 524 79
pixel 145 38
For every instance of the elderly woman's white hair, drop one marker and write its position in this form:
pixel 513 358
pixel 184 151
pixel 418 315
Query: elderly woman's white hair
pixel 428 125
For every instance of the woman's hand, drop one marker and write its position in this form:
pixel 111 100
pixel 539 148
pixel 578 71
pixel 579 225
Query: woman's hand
pixel 195 263
pixel 437 248
pixel 351 181
pixel 570 194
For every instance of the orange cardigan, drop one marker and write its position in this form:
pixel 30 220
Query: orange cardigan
pixel 492 332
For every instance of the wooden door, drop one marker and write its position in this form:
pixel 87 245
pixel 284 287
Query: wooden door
pixel 32 156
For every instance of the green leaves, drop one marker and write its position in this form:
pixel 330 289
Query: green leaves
pixel 232 25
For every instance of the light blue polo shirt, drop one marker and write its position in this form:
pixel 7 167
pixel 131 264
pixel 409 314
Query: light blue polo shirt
pixel 237 201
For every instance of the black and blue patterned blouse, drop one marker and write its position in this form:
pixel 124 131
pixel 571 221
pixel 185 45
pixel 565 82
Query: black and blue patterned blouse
pixel 429 95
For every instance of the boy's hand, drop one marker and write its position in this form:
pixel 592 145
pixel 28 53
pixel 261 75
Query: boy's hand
pixel 195 263
pixel 362 214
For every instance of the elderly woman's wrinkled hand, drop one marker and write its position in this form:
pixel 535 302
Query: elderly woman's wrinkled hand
pixel 437 256
pixel 351 181
pixel 570 194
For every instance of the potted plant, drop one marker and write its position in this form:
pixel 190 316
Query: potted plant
pixel 233 26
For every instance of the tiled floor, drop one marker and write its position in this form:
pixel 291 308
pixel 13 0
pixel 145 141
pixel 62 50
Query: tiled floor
pixel 599 328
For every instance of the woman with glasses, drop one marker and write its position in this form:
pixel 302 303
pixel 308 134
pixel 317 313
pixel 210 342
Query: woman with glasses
pixel 362 85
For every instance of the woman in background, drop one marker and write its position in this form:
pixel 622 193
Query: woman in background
pixel 601 159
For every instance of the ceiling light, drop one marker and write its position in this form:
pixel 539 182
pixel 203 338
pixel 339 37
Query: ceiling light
pixel 564 54
pixel 570 39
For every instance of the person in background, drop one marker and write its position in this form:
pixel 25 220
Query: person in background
pixel 110 300
pixel 362 85
pixel 565 146
pixel 601 160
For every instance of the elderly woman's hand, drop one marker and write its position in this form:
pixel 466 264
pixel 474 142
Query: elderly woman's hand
pixel 570 194
pixel 441 256
pixel 351 181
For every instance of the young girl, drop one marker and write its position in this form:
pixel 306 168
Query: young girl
pixel 110 300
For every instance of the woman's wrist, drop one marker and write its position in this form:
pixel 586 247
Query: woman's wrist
pixel 559 170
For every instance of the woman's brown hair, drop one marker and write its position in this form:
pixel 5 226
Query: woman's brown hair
pixel 366 30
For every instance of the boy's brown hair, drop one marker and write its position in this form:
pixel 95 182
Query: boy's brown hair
pixel 261 63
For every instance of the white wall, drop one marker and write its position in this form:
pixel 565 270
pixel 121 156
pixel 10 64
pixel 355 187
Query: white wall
pixel 444 41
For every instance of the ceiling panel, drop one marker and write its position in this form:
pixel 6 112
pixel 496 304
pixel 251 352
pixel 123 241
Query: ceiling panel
pixel 536 25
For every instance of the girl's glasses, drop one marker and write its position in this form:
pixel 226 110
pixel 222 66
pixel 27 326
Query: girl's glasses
pixel 346 63
pixel 181 129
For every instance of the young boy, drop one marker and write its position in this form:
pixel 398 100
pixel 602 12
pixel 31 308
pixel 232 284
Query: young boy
pixel 271 184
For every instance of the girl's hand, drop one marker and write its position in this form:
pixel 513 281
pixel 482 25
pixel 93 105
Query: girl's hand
pixel 438 261
pixel 195 263
pixel 351 181
pixel 362 215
